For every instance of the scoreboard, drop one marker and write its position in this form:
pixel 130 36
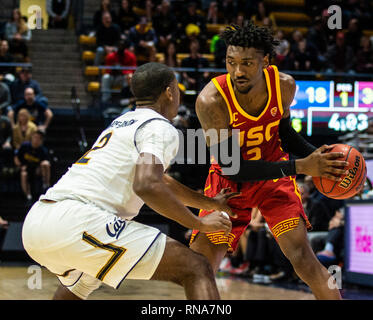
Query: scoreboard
pixel 328 105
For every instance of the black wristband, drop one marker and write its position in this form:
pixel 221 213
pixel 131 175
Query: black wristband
pixel 250 170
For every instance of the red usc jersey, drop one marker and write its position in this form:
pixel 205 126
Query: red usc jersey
pixel 278 200
pixel 259 136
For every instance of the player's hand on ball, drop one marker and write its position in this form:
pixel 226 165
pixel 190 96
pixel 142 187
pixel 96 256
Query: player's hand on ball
pixel 321 163
pixel 221 199
pixel 216 221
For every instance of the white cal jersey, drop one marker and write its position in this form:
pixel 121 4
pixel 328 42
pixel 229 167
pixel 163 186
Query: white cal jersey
pixel 104 175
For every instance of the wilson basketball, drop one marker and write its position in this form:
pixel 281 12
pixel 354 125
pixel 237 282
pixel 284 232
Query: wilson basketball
pixel 352 182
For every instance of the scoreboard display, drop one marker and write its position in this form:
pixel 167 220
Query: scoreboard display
pixel 324 106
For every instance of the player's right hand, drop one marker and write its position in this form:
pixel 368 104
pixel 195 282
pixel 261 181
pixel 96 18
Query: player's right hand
pixel 323 164
pixel 215 221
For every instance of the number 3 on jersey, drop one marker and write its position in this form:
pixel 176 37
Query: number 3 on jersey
pixel 102 143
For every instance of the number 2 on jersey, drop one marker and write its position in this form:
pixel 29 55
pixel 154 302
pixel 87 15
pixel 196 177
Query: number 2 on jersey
pixel 102 143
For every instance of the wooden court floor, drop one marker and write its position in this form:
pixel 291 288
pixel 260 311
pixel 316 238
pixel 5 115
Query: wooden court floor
pixel 15 284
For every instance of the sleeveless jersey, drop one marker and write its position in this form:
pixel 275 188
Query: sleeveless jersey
pixel 259 136
pixel 104 175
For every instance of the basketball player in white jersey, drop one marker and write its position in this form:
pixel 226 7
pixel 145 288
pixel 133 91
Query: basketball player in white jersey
pixel 81 229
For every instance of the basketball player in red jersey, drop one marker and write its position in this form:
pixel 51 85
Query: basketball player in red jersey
pixel 255 98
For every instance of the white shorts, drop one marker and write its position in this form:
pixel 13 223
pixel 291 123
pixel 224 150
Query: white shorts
pixel 82 242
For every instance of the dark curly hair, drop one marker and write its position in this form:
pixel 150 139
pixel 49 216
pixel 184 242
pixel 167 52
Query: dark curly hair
pixel 250 36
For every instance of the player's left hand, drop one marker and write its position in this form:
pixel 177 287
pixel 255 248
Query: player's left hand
pixel 221 200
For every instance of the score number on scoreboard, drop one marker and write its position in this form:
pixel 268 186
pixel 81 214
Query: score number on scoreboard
pixel 337 106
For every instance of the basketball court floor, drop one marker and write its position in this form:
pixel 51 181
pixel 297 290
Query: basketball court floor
pixel 17 284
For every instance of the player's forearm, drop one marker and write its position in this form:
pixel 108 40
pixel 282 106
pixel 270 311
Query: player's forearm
pixel 187 196
pixel 160 198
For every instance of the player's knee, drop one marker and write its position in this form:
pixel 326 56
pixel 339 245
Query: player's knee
pixel 199 267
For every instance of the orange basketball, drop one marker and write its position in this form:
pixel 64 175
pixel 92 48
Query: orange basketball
pixel 351 183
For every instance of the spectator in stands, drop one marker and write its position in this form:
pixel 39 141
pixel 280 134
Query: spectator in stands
pixel 58 12
pixel 5 98
pixel 195 80
pixel 229 7
pixel 127 18
pixel 164 24
pixel 24 129
pixel 123 57
pixel 218 48
pixel 18 34
pixel 305 56
pixel 97 18
pixel 213 15
pixel 282 49
pixel 108 36
pixel 263 17
pixel 143 41
pixel 318 207
pixel 170 57
pixel 364 56
pixel 340 57
pixel 6 151
pixel 318 38
pixel 41 115
pixel 193 18
pixel 17 88
pixel 353 34
pixel 33 160
pixel 334 244
pixel 5 57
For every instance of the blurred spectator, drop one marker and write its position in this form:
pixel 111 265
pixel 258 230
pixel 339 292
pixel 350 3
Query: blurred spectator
pixel 263 17
pixel 213 15
pixel 5 98
pixel 123 57
pixel 33 160
pixel 359 9
pixel 58 12
pixel 97 18
pixel 192 18
pixel 353 34
pixel 218 48
pixel 5 57
pixel 229 7
pixel 334 244
pixel 143 41
pixel 6 152
pixel 282 50
pixel 18 34
pixel 340 57
pixel 296 37
pixel 239 20
pixel 195 80
pixel 164 24
pixel 305 56
pixel 364 56
pixel 23 129
pixel 170 58
pixel 127 18
pixel 41 115
pixel 319 208
pixel 108 36
pixel 317 36
pixel 17 88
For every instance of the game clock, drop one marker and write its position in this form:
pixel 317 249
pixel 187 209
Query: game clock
pixel 337 106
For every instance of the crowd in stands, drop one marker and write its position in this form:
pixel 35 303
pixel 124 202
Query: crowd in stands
pixel 24 110
pixel 171 27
